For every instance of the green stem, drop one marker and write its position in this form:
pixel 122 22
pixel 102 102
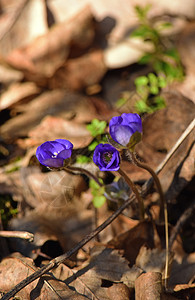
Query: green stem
pixel 163 207
pixel 135 190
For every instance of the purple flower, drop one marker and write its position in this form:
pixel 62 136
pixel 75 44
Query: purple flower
pixel 106 157
pixel 124 127
pixel 53 153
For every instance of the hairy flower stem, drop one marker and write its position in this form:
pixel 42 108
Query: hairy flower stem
pixel 135 191
pixel 163 207
pixel 83 171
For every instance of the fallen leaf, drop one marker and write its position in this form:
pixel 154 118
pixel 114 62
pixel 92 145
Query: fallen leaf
pixel 17 92
pixel 16 268
pixel 57 102
pixel 105 265
pixel 151 260
pixel 79 73
pixel 22 15
pixel 148 286
pixel 47 53
pixel 52 127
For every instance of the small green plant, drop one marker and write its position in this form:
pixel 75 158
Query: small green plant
pixel 98 193
pixel 148 87
pixel 97 129
pixel 164 60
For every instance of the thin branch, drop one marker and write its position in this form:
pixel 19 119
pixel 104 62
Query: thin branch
pixel 60 259
pixel 17 234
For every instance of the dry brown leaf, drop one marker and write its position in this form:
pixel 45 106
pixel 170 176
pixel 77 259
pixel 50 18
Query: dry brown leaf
pixel 105 265
pixel 53 190
pixel 61 229
pixel 56 102
pixel 118 291
pixel 18 26
pixel 148 286
pixel 47 53
pixel 52 127
pixel 9 76
pixel 132 240
pixel 151 260
pixel 182 271
pixel 17 92
pixel 15 269
pixel 80 73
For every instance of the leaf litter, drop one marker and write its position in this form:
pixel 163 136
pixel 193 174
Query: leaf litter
pixel 47 93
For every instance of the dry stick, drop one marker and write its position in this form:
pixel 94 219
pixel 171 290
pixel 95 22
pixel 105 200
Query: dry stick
pixel 135 190
pixel 184 217
pixel 60 259
pixel 163 207
pixel 18 234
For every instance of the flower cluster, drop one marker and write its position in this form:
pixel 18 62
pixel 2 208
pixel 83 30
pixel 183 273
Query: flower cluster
pixel 125 130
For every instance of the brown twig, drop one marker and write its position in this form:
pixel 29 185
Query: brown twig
pixel 58 260
pixel 18 234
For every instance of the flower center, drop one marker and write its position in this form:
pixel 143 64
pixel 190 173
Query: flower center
pixel 55 154
pixel 107 156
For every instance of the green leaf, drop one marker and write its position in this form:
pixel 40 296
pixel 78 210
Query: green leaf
pixel 173 53
pixel 93 184
pixel 142 12
pixel 145 59
pixel 164 25
pixel 98 201
pixel 141 31
pixel 82 159
pixel 141 106
pixel 153 83
pixel 141 81
pixel 120 102
pixel 162 81
pixel 96 127
pixel 92 146
pixel 160 102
